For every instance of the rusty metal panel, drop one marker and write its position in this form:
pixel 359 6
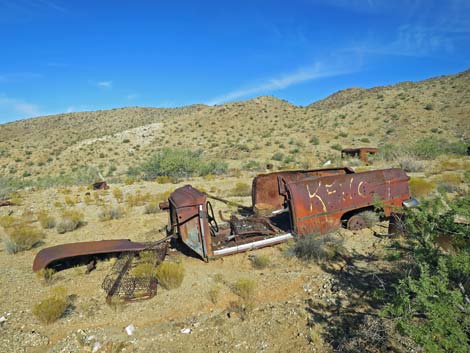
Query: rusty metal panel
pixel 360 152
pixel 265 189
pixel 318 203
pixel 190 218
pixel 47 256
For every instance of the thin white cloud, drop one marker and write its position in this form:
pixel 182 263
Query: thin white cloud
pixel 132 96
pixel 314 72
pixel 19 76
pixel 19 106
pixel 106 84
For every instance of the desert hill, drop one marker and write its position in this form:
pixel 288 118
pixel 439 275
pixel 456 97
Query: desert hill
pixel 114 140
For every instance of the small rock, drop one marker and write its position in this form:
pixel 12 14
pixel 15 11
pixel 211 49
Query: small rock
pixel 96 347
pixel 185 331
pixel 130 329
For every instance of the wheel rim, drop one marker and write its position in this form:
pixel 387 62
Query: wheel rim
pixel 356 223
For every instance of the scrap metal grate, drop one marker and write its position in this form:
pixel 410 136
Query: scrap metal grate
pixel 124 284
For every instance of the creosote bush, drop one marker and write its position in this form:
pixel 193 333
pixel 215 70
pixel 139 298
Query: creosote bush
pixel 51 308
pixel 170 274
pixel 71 220
pixel 21 237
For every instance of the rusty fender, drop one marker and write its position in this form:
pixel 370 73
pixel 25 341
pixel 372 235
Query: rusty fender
pixel 69 251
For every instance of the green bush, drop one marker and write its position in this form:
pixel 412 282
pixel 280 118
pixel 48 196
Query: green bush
pixel 431 147
pixel 431 303
pixel 179 164
pixel 278 156
pixel 110 213
pixel 244 288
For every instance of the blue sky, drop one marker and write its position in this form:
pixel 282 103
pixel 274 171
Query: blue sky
pixel 62 56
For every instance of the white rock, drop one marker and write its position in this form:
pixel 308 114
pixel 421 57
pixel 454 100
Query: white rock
pixel 327 163
pixel 185 331
pixel 3 319
pixel 96 347
pixel 130 329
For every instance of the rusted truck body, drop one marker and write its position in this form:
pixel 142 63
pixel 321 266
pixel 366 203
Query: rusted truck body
pixel 300 203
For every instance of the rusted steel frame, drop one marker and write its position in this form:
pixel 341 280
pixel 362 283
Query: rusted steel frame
pixel 227 202
pixel 57 253
pixel 265 187
pixel 318 204
pixel 5 203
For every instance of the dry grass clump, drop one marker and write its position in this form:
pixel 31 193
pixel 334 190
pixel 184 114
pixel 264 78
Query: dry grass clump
pixel 21 237
pixel 138 199
pixel 152 207
pixel 318 248
pixel 213 294
pixel 164 179
pixel 46 220
pixel 71 220
pixel 46 274
pixel 7 221
pixel 241 189
pixel 421 187
pixel 244 288
pixel 170 274
pixel 260 262
pixel 144 270
pixel 109 213
pixel 118 195
pixel 51 308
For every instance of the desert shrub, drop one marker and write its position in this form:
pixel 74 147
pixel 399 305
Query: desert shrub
pixel 71 220
pixel 170 274
pixel 5 192
pixel 164 179
pixel 314 140
pixel 138 199
pixel 337 147
pixel 213 294
pixel 118 195
pixel 178 164
pixel 8 221
pixel 412 165
pixel 144 270
pixel 46 274
pixel 430 303
pixel 420 187
pixel 260 262
pixel 252 165
pixel 389 152
pixel 213 168
pixel 431 147
pixel 70 201
pixel 152 207
pixel 241 189
pixel 370 217
pixel 318 248
pixel 46 220
pixel 51 308
pixel 109 213
pixel 278 156
pixel 244 288
pixel 21 237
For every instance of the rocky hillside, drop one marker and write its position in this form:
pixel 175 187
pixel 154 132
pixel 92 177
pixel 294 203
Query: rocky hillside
pixel 256 129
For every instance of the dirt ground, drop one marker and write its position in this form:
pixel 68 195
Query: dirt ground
pixel 297 307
